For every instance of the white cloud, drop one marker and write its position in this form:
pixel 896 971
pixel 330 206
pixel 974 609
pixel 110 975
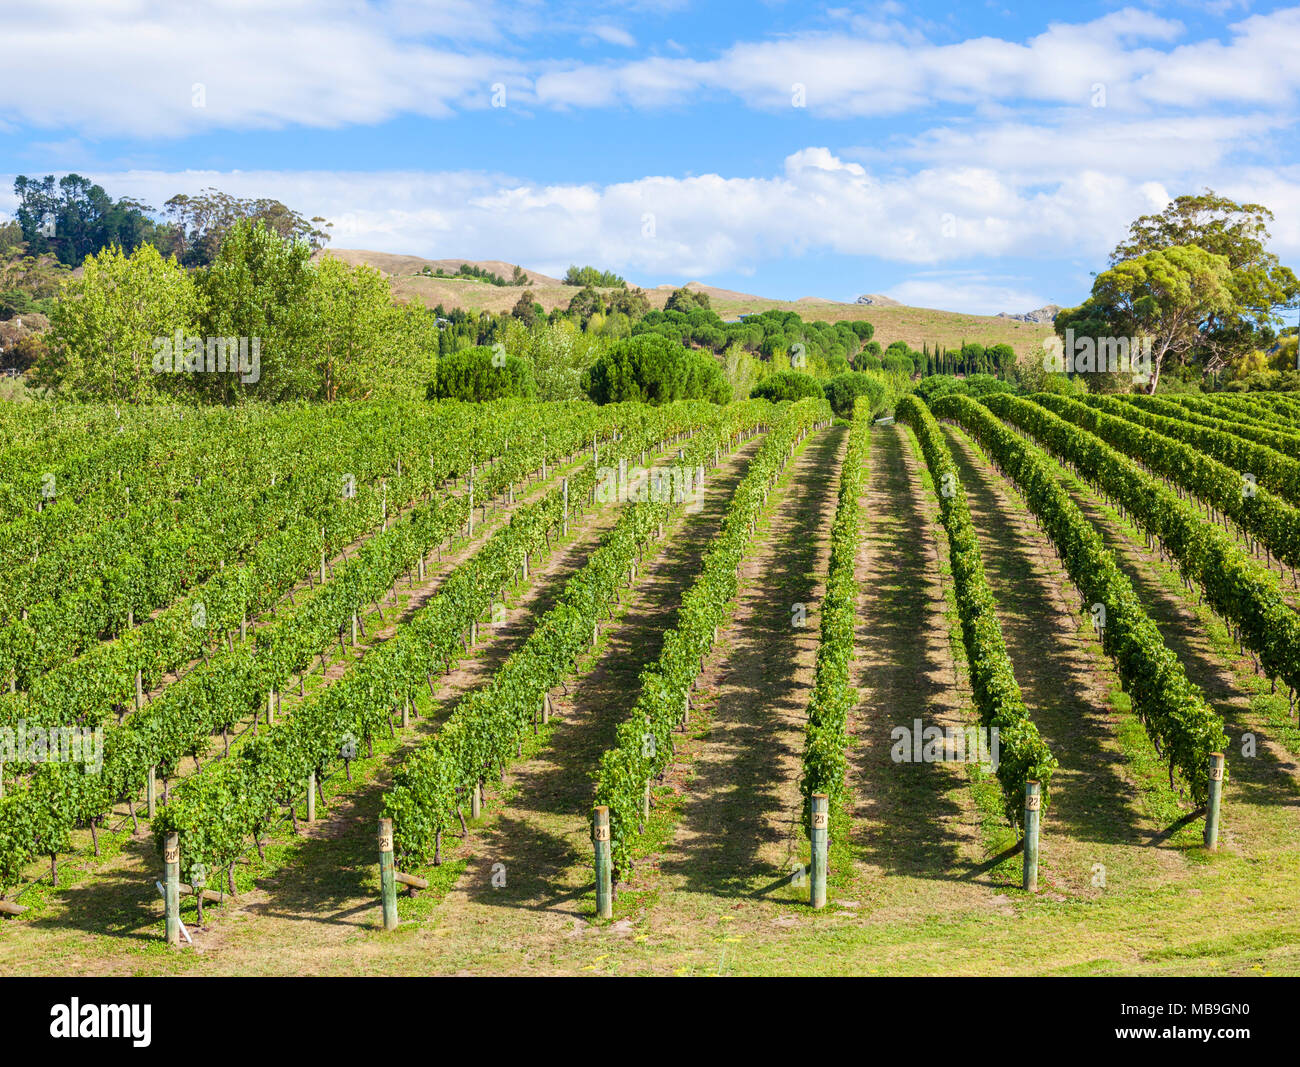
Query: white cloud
pixel 710 224
pixel 128 66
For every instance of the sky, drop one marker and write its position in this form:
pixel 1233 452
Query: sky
pixel 979 156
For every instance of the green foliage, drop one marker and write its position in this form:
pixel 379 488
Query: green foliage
pixel 1257 282
pixel 106 328
pixel 844 390
pixel 826 733
pixel 1175 713
pixel 787 385
pixel 482 373
pixel 655 370
pixel 1023 754
pixel 687 300
pixel 486 728
pixel 590 276
pixel 644 741
pixel 1170 296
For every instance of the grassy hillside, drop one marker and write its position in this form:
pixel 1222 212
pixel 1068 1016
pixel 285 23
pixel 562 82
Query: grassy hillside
pixel 892 322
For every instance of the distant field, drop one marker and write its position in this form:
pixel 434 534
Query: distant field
pixel 916 326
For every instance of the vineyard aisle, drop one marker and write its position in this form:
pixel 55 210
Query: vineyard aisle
pixel 914 822
pixel 323 892
pixel 1262 794
pixel 537 842
pixel 1096 835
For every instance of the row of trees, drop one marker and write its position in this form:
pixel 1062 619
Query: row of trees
pixel 72 218
pixel 138 327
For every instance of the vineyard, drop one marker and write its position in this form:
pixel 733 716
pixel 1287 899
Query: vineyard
pixel 969 686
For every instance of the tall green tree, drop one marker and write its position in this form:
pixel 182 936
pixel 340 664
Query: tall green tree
pixel 105 329
pixel 1168 296
pixel 1259 285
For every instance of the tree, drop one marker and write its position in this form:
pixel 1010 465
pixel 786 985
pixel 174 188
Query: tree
pixel 350 340
pixel 259 286
pixel 104 331
pixel 202 222
pixel 844 389
pixel 1258 283
pixel 787 385
pixel 687 300
pixel 585 276
pixel 653 369
pixel 481 373
pixel 559 353
pixel 1165 298
pixel 75 218
pixel 526 310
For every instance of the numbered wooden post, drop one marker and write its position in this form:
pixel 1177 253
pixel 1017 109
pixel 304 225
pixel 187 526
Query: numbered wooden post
pixel 387 883
pixel 820 825
pixel 311 796
pixel 1033 809
pixel 151 792
pixel 172 888
pixel 1216 795
pixel 604 889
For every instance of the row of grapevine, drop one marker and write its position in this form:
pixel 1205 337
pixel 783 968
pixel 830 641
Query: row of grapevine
pixel 825 736
pixel 76 591
pixel 1237 407
pixel 216 812
pixel 644 747
pixel 488 725
pixel 1273 522
pixel 1023 755
pixel 83 445
pixel 59 796
pixel 1234 584
pixel 115 486
pixel 88 687
pixel 1175 713
pixel 1274 470
pixel 1280 441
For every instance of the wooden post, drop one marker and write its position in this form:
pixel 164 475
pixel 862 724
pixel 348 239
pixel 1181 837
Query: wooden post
pixel 406 712
pixel 471 500
pixel 172 888
pixel 566 507
pixel 1216 795
pixel 387 883
pixel 354 629
pixel 270 705
pixel 311 796
pixel 151 792
pixel 1033 808
pixel 546 708
pixel 604 890
pixel 476 799
pixel 139 690
pixel 645 802
pixel 819 828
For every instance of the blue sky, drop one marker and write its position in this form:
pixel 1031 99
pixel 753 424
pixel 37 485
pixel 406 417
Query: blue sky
pixel 977 156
